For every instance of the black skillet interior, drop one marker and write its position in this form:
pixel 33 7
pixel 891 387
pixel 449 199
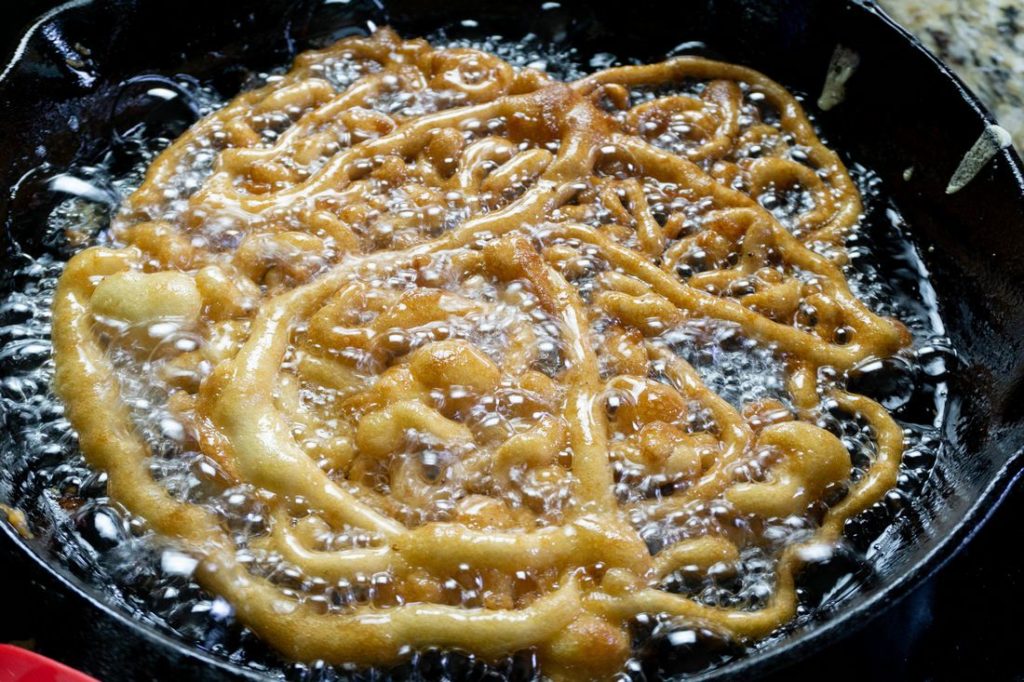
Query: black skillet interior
pixel 62 103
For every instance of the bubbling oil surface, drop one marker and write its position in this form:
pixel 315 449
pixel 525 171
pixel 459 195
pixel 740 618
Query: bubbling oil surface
pixel 140 572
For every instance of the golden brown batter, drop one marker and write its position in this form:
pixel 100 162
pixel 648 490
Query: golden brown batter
pixel 418 313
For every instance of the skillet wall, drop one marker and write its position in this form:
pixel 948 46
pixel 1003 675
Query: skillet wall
pixel 899 111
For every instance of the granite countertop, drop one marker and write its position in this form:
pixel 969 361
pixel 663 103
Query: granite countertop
pixel 983 41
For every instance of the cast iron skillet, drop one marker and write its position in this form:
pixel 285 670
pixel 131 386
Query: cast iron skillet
pixel 902 109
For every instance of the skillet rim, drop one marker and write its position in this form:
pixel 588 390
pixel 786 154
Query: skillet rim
pixel 838 626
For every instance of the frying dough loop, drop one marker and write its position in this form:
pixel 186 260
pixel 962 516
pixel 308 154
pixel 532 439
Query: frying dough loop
pixel 420 313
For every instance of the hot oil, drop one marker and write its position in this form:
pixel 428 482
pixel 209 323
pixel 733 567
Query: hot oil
pixel 98 541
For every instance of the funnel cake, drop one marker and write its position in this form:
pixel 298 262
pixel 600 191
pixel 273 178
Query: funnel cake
pixel 425 322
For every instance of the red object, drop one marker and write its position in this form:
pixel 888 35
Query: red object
pixel 21 665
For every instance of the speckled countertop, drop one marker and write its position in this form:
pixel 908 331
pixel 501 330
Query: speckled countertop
pixel 983 40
